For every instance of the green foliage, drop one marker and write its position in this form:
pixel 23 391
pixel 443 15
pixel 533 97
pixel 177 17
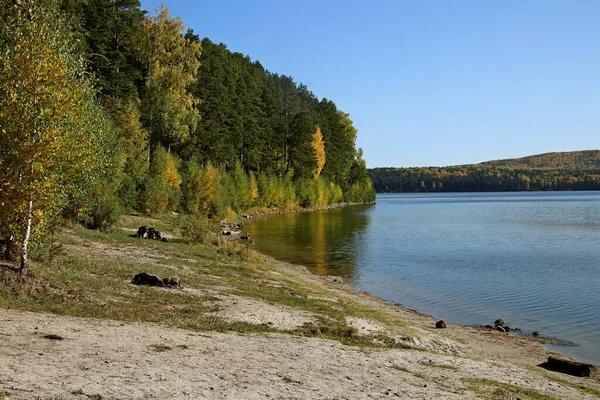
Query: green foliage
pixel 191 187
pixel 307 192
pixel 132 154
pixel 155 196
pixel 169 109
pixel 198 229
pixel 211 195
pixel 109 102
pixel 552 171
pixel 53 132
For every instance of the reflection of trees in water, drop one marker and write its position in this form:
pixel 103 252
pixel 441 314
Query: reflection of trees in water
pixel 324 241
pixel 319 245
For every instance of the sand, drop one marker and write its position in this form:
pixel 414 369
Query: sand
pixel 106 359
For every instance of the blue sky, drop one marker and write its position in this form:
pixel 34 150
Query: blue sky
pixel 430 83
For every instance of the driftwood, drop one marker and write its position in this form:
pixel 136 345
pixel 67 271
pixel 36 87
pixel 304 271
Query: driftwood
pixel 569 367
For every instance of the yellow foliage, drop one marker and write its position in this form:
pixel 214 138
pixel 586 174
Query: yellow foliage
pixel 253 188
pixel 172 174
pixel 319 146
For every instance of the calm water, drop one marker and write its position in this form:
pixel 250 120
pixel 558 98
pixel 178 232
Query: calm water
pixel 532 259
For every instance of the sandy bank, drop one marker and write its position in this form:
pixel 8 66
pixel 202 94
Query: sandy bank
pixel 108 359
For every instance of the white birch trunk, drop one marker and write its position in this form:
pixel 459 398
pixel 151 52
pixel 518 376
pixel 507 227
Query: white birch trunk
pixel 24 260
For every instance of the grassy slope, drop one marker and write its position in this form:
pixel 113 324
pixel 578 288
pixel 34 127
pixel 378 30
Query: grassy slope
pixel 90 275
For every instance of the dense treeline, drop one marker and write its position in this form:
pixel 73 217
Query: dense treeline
pixel 552 171
pixel 105 108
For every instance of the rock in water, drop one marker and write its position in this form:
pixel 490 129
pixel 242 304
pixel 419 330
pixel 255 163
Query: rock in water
pixel 440 324
pixel 499 321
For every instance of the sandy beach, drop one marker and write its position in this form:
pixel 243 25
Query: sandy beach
pixel 48 356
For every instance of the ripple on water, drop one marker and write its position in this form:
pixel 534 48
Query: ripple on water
pixel 532 259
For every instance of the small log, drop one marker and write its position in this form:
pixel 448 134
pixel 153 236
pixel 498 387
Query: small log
pixel 569 367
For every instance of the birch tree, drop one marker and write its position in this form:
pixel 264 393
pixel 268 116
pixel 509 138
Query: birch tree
pixel 169 109
pixel 47 116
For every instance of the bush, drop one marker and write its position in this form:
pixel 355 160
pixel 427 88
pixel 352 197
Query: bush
pixel 198 229
pixel 104 211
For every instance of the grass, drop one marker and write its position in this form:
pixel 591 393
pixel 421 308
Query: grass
pixel 160 347
pixel 90 274
pixel 548 375
pixel 499 390
pixel 443 366
pixel 398 368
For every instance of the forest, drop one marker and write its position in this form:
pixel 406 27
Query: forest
pixel 107 109
pixel 577 170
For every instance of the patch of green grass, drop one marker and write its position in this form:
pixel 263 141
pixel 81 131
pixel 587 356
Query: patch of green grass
pixel 396 367
pixel 500 390
pixel 160 347
pixel 434 365
pixel 548 375
pixel 90 277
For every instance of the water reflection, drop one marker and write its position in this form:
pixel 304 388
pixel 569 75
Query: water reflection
pixel 531 258
pixel 326 242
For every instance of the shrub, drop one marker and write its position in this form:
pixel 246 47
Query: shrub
pixel 198 229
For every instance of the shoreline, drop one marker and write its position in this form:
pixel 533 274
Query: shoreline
pixel 251 328
pixel 430 319
pixel 276 211
pixel 557 342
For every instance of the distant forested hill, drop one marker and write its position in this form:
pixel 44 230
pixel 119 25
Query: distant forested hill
pixel 572 160
pixel 576 170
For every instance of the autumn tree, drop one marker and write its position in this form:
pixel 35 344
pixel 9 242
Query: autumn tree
pixel 319 147
pixel 169 110
pixel 50 123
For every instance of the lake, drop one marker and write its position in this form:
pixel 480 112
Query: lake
pixel 532 259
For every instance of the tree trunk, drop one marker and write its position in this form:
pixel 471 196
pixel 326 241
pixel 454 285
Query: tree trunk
pixel 24 260
pixel 8 244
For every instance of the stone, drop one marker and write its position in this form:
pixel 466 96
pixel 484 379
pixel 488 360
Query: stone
pixel 172 281
pixel 441 324
pixel 536 333
pixel 500 328
pixel 144 278
pixel 569 367
pixel 499 321
pixel 142 231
